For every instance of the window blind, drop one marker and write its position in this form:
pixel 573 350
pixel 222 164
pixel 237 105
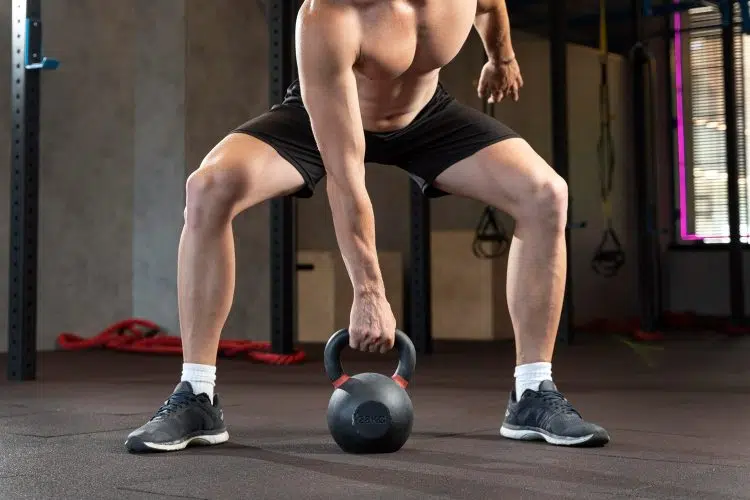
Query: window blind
pixel 708 142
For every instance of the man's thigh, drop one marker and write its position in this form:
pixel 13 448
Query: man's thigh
pixel 504 175
pixel 286 128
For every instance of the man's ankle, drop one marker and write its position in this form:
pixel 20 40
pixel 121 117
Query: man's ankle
pixel 530 375
pixel 201 377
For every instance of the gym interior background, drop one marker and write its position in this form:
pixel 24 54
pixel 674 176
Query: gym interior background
pixel 146 88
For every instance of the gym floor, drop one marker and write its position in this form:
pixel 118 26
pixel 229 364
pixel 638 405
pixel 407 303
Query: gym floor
pixel 678 419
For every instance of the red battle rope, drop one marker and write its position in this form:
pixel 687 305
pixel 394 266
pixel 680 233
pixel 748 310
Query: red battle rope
pixel 143 336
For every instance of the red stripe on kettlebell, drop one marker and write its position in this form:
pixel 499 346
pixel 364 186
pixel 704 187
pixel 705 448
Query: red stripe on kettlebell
pixel 340 381
pixel 400 381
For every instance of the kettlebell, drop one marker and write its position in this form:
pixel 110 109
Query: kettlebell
pixel 369 412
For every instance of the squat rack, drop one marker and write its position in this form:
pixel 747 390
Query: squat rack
pixel 28 61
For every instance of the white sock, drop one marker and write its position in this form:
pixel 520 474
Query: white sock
pixel 201 377
pixel 530 375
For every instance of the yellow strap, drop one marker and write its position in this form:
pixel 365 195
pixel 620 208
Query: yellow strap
pixel 603 49
pixel 607 208
pixel 604 111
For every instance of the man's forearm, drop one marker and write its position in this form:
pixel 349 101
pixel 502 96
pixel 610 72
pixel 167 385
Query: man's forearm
pixel 493 27
pixel 354 221
pixel 328 40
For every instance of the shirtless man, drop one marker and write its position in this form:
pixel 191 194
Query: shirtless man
pixel 369 91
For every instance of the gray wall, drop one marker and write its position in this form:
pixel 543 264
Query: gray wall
pixel 159 163
pixel 147 88
pixel 86 222
pixel 144 89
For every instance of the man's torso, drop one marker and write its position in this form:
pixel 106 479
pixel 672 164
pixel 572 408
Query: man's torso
pixel 404 44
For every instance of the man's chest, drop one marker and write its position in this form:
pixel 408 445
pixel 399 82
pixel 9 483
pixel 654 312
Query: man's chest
pixel 403 37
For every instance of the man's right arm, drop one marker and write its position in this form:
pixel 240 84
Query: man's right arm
pixel 327 48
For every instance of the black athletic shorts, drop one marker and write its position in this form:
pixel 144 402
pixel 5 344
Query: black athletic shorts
pixel 443 133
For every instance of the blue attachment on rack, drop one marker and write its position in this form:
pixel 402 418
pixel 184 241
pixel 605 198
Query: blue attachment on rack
pixel 745 11
pixel 34 60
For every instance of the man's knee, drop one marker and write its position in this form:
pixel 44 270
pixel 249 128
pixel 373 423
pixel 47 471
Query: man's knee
pixel 213 192
pixel 547 201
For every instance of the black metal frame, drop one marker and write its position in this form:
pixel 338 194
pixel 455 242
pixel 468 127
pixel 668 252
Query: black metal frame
pixel 644 179
pixel 558 38
pixel 736 272
pixel 24 189
pixel 670 111
pixel 418 282
pixel 281 60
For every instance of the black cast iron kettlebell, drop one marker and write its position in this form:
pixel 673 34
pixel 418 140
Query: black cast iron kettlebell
pixel 370 412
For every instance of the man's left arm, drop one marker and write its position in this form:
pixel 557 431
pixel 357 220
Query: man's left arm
pixel 493 25
pixel 501 75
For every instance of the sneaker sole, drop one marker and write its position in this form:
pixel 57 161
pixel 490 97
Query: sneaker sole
pixel 137 445
pixel 595 439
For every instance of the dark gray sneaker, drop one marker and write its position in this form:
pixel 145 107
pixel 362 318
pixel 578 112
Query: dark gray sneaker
pixel 546 415
pixel 183 419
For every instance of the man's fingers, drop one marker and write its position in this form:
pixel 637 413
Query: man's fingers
pixel 371 343
pixel 491 95
pixel 364 345
pixel 357 342
pixel 482 89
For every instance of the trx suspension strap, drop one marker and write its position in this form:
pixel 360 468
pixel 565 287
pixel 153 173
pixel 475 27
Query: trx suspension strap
pixel 609 256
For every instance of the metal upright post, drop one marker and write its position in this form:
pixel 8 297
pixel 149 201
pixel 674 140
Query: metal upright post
pixel 27 63
pixel 643 177
pixel 281 20
pixel 418 298
pixel 558 39
pixel 736 272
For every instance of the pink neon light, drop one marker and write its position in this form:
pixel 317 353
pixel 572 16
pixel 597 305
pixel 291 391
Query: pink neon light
pixel 677 20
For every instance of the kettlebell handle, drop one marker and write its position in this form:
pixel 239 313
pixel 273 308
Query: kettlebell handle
pixel 407 358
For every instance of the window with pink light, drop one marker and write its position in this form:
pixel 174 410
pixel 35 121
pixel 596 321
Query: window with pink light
pixel 700 128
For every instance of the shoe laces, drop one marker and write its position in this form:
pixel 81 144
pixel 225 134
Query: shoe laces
pixel 557 404
pixel 176 402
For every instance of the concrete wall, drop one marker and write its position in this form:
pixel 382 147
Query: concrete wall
pixel 159 163
pixel 87 152
pixel 139 98
pixel 147 88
